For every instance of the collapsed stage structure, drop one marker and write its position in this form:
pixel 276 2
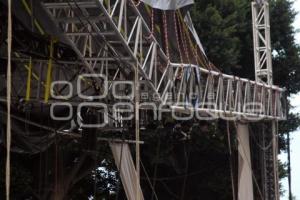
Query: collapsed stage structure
pixel 114 64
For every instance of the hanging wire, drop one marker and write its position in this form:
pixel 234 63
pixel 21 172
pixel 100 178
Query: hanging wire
pixel 149 181
pixel 231 161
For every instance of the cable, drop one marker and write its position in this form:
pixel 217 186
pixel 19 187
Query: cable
pixel 148 179
pixel 231 161
pixel 169 191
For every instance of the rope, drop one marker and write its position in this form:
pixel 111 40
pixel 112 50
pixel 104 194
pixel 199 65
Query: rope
pixel 194 49
pixel 8 95
pixel 183 40
pixel 177 37
pixel 178 44
pixel 165 26
pixel 152 25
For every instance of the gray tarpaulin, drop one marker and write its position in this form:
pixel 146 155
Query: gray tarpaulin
pixel 125 165
pixel 245 185
pixel 168 4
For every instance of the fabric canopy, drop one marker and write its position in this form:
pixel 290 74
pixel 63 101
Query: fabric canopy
pixel 125 165
pixel 245 185
pixel 168 4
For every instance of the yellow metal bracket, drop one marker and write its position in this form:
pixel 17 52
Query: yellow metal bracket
pixel 28 86
pixel 49 73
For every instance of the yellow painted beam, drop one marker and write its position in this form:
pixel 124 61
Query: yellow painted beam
pixel 36 23
pixel 49 73
pixel 28 86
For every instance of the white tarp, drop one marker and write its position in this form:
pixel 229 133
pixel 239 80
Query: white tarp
pixel 168 4
pixel 125 165
pixel 245 185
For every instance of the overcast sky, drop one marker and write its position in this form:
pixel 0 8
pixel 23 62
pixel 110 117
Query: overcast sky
pixel 295 143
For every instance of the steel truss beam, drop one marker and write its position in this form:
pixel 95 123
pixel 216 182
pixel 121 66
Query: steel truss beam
pixel 86 24
pixel 262 42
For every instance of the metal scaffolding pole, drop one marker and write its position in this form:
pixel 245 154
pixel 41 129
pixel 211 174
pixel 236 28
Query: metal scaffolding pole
pixel 264 75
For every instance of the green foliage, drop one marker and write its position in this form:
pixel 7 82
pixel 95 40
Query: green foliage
pixel 21 179
pixel 216 23
pixel 286 62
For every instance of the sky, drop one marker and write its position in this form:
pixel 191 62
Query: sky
pixel 295 142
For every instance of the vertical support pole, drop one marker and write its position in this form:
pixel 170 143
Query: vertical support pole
pixel 245 184
pixel 49 73
pixel 40 83
pixel 8 104
pixel 264 74
pixel 289 167
pixel 137 120
pixel 275 160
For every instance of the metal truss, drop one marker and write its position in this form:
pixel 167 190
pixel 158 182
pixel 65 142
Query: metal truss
pixel 262 42
pixel 264 74
pixel 112 38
